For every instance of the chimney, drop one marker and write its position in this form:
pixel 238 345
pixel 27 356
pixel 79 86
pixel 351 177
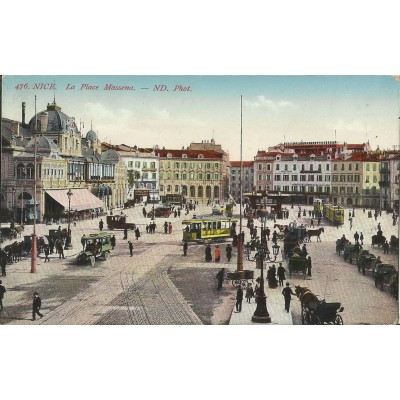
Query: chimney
pixel 23 113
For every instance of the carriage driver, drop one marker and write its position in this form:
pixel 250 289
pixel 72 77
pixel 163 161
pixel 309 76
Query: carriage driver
pixel 287 294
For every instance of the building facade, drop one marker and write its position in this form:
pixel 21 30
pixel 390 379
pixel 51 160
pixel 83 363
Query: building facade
pixel 248 178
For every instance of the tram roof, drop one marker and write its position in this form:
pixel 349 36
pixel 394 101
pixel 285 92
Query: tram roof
pixel 202 218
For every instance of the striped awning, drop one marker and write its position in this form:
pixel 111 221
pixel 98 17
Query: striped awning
pixel 81 199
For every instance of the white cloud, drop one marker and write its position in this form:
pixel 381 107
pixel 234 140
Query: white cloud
pixel 269 104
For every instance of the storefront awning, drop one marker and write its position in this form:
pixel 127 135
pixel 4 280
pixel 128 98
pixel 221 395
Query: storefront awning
pixel 81 199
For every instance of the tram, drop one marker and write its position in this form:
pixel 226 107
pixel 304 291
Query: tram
pixel 208 228
pixel 335 214
pixel 318 205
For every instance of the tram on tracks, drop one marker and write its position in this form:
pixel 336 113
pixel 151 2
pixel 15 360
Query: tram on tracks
pixel 334 214
pixel 204 229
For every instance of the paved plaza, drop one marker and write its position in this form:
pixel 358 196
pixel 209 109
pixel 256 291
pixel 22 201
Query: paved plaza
pixel 159 286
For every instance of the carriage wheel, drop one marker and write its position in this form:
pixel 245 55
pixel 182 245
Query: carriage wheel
pixel 338 320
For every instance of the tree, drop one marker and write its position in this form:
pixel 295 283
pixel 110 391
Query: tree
pixel 133 177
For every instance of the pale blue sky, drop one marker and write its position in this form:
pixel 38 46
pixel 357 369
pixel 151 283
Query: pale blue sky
pixel 306 108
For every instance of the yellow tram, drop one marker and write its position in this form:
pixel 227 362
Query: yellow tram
pixel 318 205
pixel 207 228
pixel 335 214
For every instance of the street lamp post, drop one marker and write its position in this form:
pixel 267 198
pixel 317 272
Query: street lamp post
pixel 68 244
pixel 261 314
pixel 14 190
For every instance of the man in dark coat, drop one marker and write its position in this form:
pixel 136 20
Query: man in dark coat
pixel 113 242
pixel 185 247
pixel 130 248
pixel 2 291
pixel 165 227
pixel 46 254
pixel 309 266
pixel 287 294
pixel 356 237
pixel 220 278
pixel 101 224
pixel 60 250
pixel 125 234
pixel 137 233
pixel 3 265
pixel 239 299
pixel 268 232
pixel 281 274
pixel 229 252
pixel 208 253
pixel 37 303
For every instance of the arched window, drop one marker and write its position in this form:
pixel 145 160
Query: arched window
pixel 30 171
pixel 21 171
pixel 216 192
pixel 192 191
pixel 200 191
pixel 184 190
pixel 208 192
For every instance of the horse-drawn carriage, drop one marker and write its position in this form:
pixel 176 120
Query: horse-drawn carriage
pixel 297 264
pixel 365 261
pixel 290 242
pixel 340 244
pixel 351 251
pixel 378 240
pixel 240 278
pixel 313 232
pixel 394 244
pixel 385 275
pixel 317 312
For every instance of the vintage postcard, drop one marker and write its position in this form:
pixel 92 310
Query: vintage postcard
pixel 199 200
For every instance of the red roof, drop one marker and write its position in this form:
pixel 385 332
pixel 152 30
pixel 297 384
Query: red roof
pixel 189 153
pixel 245 163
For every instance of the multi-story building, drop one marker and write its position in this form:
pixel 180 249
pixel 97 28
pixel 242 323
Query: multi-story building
pixel 194 174
pixel 389 180
pixel 370 180
pixel 304 176
pixel 65 160
pixel 248 178
pixel 142 177
pixel 264 169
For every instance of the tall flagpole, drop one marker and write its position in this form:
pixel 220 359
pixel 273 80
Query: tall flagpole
pixel 240 237
pixel 33 261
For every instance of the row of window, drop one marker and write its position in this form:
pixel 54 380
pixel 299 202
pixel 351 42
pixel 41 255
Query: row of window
pixel 192 176
pixel 286 167
pixel 305 189
pixel 146 175
pixel 143 164
pixel 192 190
pixel 191 165
pixel 303 178
pixel 351 189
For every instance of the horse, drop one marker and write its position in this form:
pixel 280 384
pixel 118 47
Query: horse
pixel 314 232
pixel 306 297
pixel 19 229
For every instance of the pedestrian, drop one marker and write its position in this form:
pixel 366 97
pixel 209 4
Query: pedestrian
pixel 304 250
pixel 379 226
pixel 208 253
pixel 239 299
pixel 249 293
pixel 60 250
pixel 229 252
pixel 3 265
pixel 46 254
pixel 137 233
pixel 386 247
pixel 275 237
pixel 2 291
pixel 268 232
pixel 82 242
pixel 319 221
pixel 220 278
pixel 312 223
pixel 351 222
pixel 147 228
pixel 113 242
pixel 353 214
pixel 281 274
pixel 175 214
pixel 101 224
pixel 217 254
pixel 185 247
pixel 256 292
pixel 287 294
pixel 299 214
pixel 51 244
pixel 356 237
pixel 130 247
pixel 361 238
pixel 125 233
pixel 36 305
pixel 309 266
pixel 144 211
pixel 170 228
pixel 165 227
